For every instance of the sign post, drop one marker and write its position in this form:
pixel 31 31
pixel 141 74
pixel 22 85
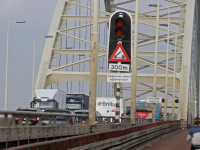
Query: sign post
pixel 119 52
pixel 154 101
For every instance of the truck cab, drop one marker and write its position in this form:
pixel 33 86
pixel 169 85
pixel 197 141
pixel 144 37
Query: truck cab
pixel 48 99
pixel 77 101
pixel 44 103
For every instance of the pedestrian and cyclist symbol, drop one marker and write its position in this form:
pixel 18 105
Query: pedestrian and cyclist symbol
pixel 119 55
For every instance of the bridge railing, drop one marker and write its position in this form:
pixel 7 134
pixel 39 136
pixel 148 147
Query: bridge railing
pixel 9 119
pixel 127 138
pixel 51 118
pixel 25 133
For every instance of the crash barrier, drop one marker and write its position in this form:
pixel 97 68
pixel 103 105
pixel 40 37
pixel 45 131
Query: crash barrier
pixel 127 138
pixel 18 132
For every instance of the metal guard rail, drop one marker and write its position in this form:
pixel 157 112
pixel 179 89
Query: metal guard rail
pixel 11 132
pixel 115 139
pixel 85 118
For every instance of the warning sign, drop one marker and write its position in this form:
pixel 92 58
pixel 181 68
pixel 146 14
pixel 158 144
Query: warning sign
pixel 119 55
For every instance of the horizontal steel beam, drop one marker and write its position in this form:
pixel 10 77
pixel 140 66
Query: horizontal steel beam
pixel 88 8
pixel 176 2
pixel 63 76
pixel 169 105
pixel 88 52
pixel 143 19
pixel 76 51
pixel 162 65
pixel 122 3
pixel 146 89
pixel 162 9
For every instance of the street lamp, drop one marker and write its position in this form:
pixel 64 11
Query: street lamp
pixel 174 78
pixel 167 61
pixel 6 86
pixel 47 36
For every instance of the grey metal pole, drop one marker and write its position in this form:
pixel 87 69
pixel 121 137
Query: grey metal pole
pixel 117 112
pixel 6 86
pixel 155 62
pixel 167 65
pixel 174 78
pixel 134 72
pixel 33 76
pixel 6 82
pixel 93 65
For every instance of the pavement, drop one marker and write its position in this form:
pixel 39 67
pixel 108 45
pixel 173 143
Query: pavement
pixel 175 141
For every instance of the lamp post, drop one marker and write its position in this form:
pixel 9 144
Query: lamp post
pixel 167 61
pixel 34 62
pixel 6 85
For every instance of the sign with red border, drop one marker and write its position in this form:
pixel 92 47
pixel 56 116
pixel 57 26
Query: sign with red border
pixel 119 55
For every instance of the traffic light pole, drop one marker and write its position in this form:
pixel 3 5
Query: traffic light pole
pixel 117 112
pixel 134 72
pixel 93 65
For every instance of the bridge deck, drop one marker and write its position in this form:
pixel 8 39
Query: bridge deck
pixel 172 142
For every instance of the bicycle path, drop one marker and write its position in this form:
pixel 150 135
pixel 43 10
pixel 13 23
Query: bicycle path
pixel 174 141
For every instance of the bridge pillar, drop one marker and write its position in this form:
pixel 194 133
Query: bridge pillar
pixel 186 59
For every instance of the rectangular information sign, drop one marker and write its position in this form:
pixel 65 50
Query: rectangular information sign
pixel 154 99
pixel 118 67
pixel 119 78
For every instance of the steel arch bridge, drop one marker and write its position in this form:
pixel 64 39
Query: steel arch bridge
pixel 66 56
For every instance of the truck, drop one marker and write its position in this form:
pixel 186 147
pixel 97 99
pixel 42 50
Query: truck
pixel 48 99
pixel 77 102
pixel 107 106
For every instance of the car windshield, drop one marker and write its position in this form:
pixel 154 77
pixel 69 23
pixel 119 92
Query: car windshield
pixel 73 106
pixel 57 117
pixel 73 100
pixel 82 113
pixel 44 104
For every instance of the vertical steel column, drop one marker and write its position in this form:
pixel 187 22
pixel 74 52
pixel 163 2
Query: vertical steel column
pixel 93 65
pixel 134 72
pixel 174 78
pixel 156 62
pixel 167 65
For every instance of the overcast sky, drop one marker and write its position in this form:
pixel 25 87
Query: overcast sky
pixel 38 15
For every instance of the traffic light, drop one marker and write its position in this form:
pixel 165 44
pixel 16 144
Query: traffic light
pixel 176 100
pixel 163 100
pixel 120 31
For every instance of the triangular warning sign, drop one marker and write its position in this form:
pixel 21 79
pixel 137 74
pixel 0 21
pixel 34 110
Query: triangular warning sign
pixel 119 55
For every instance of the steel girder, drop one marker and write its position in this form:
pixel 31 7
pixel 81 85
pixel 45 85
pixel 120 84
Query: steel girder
pixel 49 71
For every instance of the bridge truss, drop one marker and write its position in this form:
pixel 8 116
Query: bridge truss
pixel 66 56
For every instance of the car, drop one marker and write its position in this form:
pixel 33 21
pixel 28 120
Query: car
pixel 60 120
pixel 85 112
pixel 33 119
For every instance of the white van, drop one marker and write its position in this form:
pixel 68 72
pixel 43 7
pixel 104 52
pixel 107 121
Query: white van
pixel 107 106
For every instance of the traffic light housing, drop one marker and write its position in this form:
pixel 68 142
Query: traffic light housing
pixel 120 30
pixel 176 100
